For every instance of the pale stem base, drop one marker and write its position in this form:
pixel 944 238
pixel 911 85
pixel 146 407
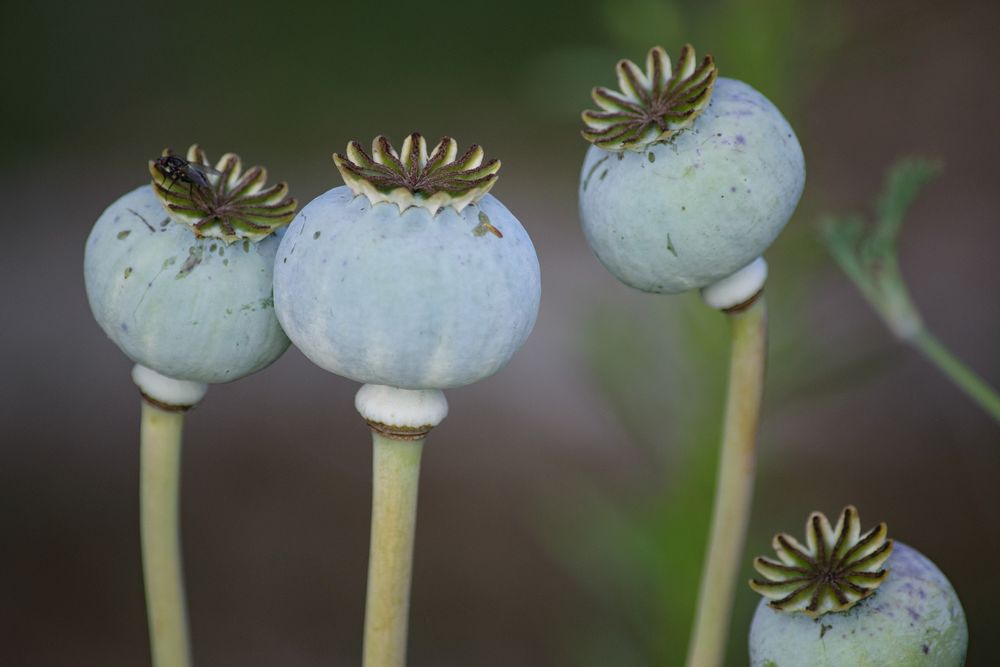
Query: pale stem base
pixel 396 469
pixel 166 607
pixel 734 486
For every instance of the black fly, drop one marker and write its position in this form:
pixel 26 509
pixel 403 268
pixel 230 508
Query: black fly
pixel 179 169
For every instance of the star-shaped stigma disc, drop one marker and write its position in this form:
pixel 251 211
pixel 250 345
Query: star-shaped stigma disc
pixel 835 569
pixel 414 177
pixel 223 201
pixel 653 105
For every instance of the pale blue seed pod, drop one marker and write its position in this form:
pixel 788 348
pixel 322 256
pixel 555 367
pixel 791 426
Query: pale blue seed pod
pixel 405 293
pixel 188 306
pixel 677 209
pixel 412 300
pixel 844 597
pixel 914 619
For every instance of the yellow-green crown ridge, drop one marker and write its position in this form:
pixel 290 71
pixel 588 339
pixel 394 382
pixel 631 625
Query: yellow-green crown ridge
pixel 223 201
pixel 414 177
pixel 651 106
pixel 835 569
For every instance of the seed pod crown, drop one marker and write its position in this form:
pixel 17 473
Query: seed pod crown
pixel 653 105
pixel 221 202
pixel 835 569
pixel 414 177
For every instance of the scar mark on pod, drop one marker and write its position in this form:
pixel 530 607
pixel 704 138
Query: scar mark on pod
pixel 590 172
pixel 194 259
pixel 670 246
pixel 166 263
pixel 144 221
pixel 485 226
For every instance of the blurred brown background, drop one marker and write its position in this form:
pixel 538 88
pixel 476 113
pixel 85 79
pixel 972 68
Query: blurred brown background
pixel 564 502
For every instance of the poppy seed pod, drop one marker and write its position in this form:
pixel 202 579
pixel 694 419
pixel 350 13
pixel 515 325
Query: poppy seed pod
pixel 411 275
pixel 178 273
pixel 847 599
pixel 690 176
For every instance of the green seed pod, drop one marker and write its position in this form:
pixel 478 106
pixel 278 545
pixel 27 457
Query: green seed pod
pixel 411 275
pixel 178 273
pixel 844 599
pixel 690 177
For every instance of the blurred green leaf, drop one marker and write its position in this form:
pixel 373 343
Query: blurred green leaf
pixel 905 181
pixel 867 253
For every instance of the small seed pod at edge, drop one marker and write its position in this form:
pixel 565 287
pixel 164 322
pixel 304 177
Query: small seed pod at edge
pixel 846 598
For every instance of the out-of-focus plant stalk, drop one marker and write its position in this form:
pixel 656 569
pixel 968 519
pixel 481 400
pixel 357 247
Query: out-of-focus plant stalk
pixel 734 486
pixel 964 377
pixel 868 254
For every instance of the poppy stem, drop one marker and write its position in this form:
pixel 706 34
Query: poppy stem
pixel 166 606
pixel 396 470
pixel 164 402
pixel 400 420
pixel 734 485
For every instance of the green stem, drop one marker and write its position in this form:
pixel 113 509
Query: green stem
pixel 396 468
pixel 963 376
pixel 160 458
pixel 734 486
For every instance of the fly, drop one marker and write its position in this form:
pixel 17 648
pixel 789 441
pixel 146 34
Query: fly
pixel 178 169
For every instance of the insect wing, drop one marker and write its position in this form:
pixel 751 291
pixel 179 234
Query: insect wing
pixel 200 174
